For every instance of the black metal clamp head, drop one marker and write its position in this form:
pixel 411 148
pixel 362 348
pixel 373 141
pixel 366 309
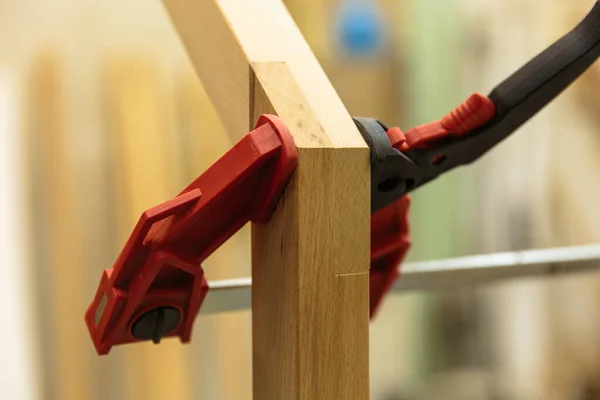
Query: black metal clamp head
pixel 393 174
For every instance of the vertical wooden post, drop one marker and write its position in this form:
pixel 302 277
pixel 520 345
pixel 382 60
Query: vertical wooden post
pixel 311 262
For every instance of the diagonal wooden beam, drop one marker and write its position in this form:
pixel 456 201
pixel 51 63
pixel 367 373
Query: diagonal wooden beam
pixel 310 263
pixel 224 37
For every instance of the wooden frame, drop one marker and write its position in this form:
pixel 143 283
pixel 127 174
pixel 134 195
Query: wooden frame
pixel 311 262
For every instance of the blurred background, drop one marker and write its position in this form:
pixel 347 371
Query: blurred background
pixel 101 117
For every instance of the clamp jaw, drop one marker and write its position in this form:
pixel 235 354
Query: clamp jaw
pixel 157 284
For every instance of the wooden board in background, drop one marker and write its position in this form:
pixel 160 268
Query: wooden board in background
pixel 66 349
pixel 19 346
pixel 145 161
pixel 222 343
pixel 509 196
pixel 572 216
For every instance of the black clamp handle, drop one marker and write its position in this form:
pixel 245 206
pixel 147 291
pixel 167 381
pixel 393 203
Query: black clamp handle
pixel 517 99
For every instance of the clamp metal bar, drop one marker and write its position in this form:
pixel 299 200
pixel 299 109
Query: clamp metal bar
pixel 228 295
pixel 488 268
pixel 235 294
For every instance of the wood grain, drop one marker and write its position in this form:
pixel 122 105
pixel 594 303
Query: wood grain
pixel 310 263
pixel 223 37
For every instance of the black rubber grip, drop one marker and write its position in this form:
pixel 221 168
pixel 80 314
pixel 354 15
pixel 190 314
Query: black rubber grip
pixel 538 82
pixel 519 98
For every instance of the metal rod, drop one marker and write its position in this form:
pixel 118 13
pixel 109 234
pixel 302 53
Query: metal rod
pixel 235 294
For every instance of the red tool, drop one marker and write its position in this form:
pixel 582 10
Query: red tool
pixel 157 285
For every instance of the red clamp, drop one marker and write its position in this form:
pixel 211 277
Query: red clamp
pixel 389 221
pixel 157 285
pixel 389 225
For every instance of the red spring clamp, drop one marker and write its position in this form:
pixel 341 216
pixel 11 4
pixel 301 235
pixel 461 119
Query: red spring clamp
pixel 157 285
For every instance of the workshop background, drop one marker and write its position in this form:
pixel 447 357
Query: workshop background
pixel 101 117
